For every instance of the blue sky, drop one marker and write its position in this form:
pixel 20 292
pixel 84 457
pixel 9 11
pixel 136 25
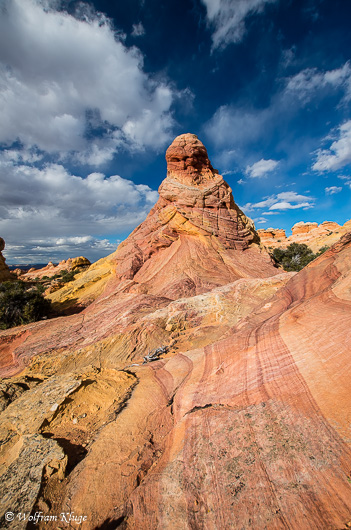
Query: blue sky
pixel 92 93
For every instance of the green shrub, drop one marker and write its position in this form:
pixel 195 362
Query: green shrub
pixel 322 250
pixel 67 276
pixel 21 304
pixel 296 256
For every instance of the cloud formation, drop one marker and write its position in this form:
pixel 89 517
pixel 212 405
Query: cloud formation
pixel 56 249
pixel 70 84
pixel 287 200
pixel 243 126
pixel 227 18
pixel 339 153
pixel 309 81
pixel 261 168
pixel 51 204
pixel 332 190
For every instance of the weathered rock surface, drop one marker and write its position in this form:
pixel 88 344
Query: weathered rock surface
pixel 251 430
pixel 242 433
pixel 313 235
pixel 269 234
pixel 5 273
pixel 244 421
pixel 46 431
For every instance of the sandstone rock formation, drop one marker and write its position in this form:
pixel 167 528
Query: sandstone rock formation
pixel 313 235
pixel 244 420
pixel 50 269
pixel 269 235
pixel 5 273
pixel 188 244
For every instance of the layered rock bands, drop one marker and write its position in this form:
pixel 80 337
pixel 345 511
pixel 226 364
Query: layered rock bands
pixel 243 418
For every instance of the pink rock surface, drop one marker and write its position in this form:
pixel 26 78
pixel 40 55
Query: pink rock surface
pixel 243 423
pixel 250 431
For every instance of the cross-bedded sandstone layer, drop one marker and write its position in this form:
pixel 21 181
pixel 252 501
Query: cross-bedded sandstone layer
pixel 251 431
pixel 194 239
pixel 245 420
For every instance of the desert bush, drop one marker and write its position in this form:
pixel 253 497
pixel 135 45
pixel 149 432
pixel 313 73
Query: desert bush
pixel 21 304
pixel 67 276
pixel 296 256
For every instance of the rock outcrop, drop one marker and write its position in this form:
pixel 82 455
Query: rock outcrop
pixel 50 269
pixel 243 418
pixel 5 273
pixel 194 239
pixel 313 235
pixel 267 235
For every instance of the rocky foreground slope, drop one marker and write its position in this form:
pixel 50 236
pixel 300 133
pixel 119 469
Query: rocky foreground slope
pixel 243 421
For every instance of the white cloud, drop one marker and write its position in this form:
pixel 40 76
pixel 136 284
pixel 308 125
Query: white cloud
pixel 227 17
pixel 138 30
pixel 284 205
pixel 346 179
pixel 287 200
pixel 52 204
pixel 332 190
pixel 339 153
pixel 293 196
pixel 261 168
pixel 260 221
pixel 71 85
pixel 306 83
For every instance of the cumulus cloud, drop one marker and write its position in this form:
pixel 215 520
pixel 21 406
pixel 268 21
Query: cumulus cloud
pixel 51 204
pixel 70 84
pixel 261 168
pixel 227 17
pixel 287 200
pixel 339 153
pixel 332 190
